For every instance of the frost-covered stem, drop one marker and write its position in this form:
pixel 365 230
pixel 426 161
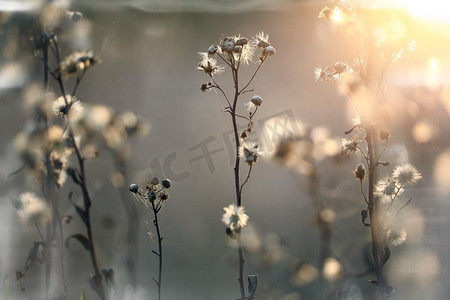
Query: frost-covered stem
pixel 374 211
pixel 160 253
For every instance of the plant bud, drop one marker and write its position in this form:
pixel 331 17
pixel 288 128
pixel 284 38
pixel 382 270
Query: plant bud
pixel 384 135
pixel 166 183
pixel 155 180
pixel 151 195
pixel 134 188
pixel 360 172
pixel 231 233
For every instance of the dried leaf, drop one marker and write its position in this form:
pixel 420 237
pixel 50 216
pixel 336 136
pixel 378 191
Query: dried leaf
pixel 252 285
pixel 95 282
pixel 385 254
pixel 82 239
pixel 109 276
pixel 364 215
pixel 82 213
pixel 33 255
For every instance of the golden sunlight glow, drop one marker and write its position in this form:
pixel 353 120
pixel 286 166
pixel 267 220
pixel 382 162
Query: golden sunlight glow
pixel 337 16
pixel 433 77
pixel 429 10
pixel 422 132
pixel 332 269
pixel 442 172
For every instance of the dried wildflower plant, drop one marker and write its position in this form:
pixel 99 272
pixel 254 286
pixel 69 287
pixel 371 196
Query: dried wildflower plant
pixel 52 151
pixel 154 196
pixel 234 52
pixel 376 51
pixel 304 155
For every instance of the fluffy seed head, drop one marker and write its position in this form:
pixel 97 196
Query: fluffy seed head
pixel 406 174
pixel 234 217
pixel 67 106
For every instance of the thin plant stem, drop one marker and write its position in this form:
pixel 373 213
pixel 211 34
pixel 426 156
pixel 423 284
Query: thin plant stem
pixel 98 278
pixel 237 181
pixel 241 266
pixel 220 89
pixel 77 84
pixel 160 253
pixel 48 189
pixel 254 75
pixel 246 179
pixel 87 205
pixel 362 191
pixel 374 212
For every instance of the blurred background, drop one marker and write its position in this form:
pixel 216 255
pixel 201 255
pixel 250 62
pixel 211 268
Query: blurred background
pixel 149 56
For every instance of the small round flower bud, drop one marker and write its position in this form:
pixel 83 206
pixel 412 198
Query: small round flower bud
pixel 155 180
pixel 228 44
pixel 237 49
pixel 205 86
pixel 163 196
pixel 242 41
pixel 384 135
pixel 213 49
pixel 151 195
pixel 256 100
pixel 244 135
pixel 269 51
pixel 166 183
pixel 76 16
pixel 134 188
pixel 231 233
pixel 71 171
pixel 360 172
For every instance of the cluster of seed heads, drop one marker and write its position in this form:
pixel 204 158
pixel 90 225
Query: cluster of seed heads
pixel 155 190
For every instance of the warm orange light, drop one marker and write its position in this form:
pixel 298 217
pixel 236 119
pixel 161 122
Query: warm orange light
pixel 337 15
pixel 433 76
pixel 429 10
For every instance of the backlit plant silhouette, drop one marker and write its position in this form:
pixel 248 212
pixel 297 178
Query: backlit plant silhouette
pixel 236 52
pixel 363 84
pixel 154 196
pixel 64 128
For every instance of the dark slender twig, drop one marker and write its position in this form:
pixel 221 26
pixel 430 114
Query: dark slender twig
pixel 159 253
pixel 77 84
pixel 246 179
pixel 362 191
pixel 216 85
pixel 87 205
pixel 81 180
pixel 237 181
pixel 254 75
